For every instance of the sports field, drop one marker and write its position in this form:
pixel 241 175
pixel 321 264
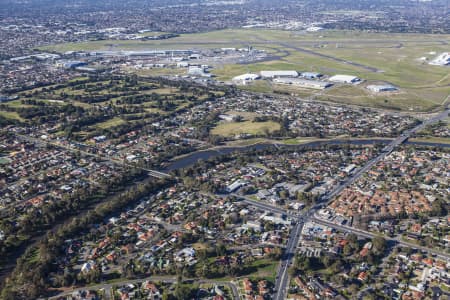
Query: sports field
pixel 399 59
pixel 246 127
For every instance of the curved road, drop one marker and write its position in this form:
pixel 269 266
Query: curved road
pixel 107 287
pixel 282 278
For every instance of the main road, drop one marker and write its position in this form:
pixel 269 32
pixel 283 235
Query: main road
pixel 107 287
pixel 299 219
pixel 282 277
pixel 369 234
pixel 286 261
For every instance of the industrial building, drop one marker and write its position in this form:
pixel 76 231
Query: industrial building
pixel 311 75
pixel 278 74
pixel 195 56
pixel 442 60
pixel 314 29
pixel 183 64
pixel 235 186
pixel 381 88
pixel 198 71
pixel 87 69
pixel 345 79
pixel 72 64
pixel 40 56
pixel 244 78
pixel 311 84
pixel 151 53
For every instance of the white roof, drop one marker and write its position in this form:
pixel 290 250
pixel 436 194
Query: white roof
pixel 314 28
pixel 343 78
pixel 279 73
pixel 442 60
pixel 303 82
pixel 381 87
pixel 247 76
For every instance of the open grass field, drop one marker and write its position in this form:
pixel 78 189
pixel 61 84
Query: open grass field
pixel 157 71
pixel 438 140
pixel 399 59
pixel 4 160
pixel 254 141
pixel 110 123
pixel 246 127
pixel 265 269
pixel 19 104
pixel 10 115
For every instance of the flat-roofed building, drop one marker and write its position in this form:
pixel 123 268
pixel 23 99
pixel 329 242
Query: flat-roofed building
pixel 381 88
pixel 441 60
pixel 198 71
pixel 344 79
pixel 311 75
pixel 311 84
pixel 275 74
pixel 244 78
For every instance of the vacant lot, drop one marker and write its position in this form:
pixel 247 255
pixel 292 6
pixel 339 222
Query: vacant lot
pixel 247 127
pixel 110 123
pixel 11 115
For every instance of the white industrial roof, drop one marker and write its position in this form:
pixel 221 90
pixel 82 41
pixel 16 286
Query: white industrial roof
pixel 247 76
pixel 381 87
pixel 442 60
pixel 343 78
pixel 303 82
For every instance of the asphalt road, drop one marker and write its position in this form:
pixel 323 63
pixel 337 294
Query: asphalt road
pixel 282 277
pixel 368 234
pixel 154 173
pixel 388 149
pixel 107 287
pixel 264 206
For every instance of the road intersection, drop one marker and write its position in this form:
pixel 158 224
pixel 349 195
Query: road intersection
pixel 107 288
pixel 282 277
pixel 299 219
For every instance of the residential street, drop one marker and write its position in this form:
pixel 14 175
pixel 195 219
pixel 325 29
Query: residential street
pixel 282 278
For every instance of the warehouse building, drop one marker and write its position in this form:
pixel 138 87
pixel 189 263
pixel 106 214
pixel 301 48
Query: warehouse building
pixel 311 75
pixel 381 88
pixel 278 74
pixel 245 78
pixel 151 53
pixel 198 71
pixel 182 64
pixel 73 64
pixel 87 69
pixel 442 60
pixel 345 79
pixel 304 83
